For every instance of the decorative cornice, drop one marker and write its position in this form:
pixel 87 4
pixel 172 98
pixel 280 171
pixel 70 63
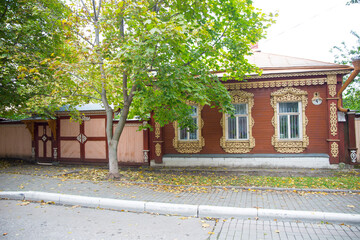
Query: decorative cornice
pixel 300 74
pixel 275 83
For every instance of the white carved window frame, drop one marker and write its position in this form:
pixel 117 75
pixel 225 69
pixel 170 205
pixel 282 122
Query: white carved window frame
pixel 239 145
pixel 299 113
pixel 237 128
pixel 197 125
pixel 290 94
pixel 190 145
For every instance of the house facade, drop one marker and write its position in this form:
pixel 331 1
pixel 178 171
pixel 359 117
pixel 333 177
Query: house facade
pixel 287 117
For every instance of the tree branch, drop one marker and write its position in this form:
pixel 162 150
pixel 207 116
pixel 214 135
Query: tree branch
pixel 3 15
pixel 125 93
pixel 84 80
pixel 222 35
pixel 87 10
pixel 98 12
pixel 94 9
pixel 80 35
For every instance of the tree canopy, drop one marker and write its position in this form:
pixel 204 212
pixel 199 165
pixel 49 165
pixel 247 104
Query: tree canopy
pixel 144 56
pixel 29 33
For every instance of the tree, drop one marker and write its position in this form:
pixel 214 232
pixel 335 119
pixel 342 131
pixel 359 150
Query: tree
pixel 344 55
pixel 29 33
pixel 151 56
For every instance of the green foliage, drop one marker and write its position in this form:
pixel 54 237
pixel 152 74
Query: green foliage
pixel 344 55
pixel 156 56
pixel 29 33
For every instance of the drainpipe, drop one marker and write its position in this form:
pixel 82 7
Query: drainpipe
pixel 350 114
pixel 356 63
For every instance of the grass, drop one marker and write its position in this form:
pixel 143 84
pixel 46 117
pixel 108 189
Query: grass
pixel 349 180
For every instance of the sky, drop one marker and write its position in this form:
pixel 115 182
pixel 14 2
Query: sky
pixel 309 28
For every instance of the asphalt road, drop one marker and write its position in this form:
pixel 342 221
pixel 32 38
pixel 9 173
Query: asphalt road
pixel 25 220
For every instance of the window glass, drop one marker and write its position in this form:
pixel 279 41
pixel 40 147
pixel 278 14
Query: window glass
pixel 232 128
pixel 283 127
pixel 294 126
pixel 242 124
pixel 194 111
pixel 288 107
pixel 184 133
pixel 193 135
pixel 240 108
pixel 289 124
pixel 237 126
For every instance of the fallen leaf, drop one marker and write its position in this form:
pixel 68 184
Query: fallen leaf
pixel 23 203
pixel 205 225
pixel 4 234
pixel 211 233
pixel 350 206
pixel 277 231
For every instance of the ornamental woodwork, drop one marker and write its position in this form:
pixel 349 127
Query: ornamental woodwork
pixel 239 146
pixel 189 146
pixel 332 90
pixel 157 130
pixel 334 149
pixel 289 94
pixel 272 84
pixel 333 119
pixel 332 81
pixel 158 149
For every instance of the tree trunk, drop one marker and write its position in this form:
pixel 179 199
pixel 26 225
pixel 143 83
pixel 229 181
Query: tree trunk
pixel 113 161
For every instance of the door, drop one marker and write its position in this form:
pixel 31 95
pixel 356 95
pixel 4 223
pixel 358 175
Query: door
pixel 43 142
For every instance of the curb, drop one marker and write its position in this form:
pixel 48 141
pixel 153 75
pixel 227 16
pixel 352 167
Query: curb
pixel 181 209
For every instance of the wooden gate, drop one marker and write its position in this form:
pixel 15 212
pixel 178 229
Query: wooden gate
pixel 82 143
pixel 43 142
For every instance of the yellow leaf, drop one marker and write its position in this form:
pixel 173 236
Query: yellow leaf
pixel 205 225
pixel 23 203
pixel 211 233
pixel 350 206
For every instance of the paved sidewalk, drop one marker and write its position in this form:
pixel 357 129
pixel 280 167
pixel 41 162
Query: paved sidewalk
pixel 348 203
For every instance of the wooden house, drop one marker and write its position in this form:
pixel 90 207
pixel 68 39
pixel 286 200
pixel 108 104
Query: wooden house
pixel 287 117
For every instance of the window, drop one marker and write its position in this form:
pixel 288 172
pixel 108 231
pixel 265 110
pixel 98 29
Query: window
pixel 237 130
pixel 289 120
pixel 185 141
pixel 184 133
pixel 237 126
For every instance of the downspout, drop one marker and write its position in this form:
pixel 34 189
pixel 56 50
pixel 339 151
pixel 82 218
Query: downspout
pixel 356 63
pixel 350 115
